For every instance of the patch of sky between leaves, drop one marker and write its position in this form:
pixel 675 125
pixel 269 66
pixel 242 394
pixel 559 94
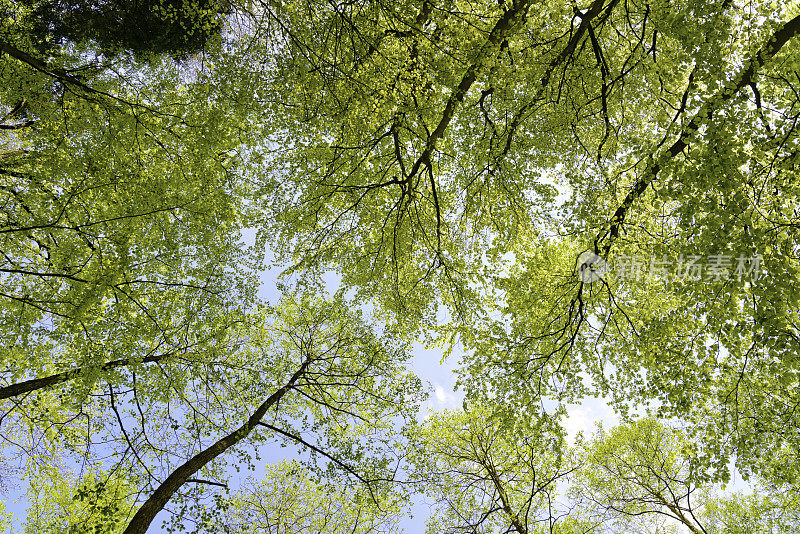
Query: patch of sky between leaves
pixel 438 373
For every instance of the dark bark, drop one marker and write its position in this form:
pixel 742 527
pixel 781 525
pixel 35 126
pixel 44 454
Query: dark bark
pixel 29 386
pixel 156 502
pixel 59 74
pixel 504 25
pixel 594 10
pixel 17 126
pixel 744 79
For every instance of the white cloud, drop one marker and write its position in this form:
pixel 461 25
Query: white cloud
pixel 445 399
pixel 583 417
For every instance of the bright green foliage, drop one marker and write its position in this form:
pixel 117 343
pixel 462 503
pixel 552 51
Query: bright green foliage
pixel 485 476
pixel 412 147
pixel 636 474
pixel 364 182
pixel 5 519
pixel 639 478
pixel 326 383
pixel 416 144
pixel 775 512
pixel 121 218
pixel 634 478
pixel 97 503
pixel 287 501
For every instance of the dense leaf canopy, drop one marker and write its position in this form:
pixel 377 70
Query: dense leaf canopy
pixel 593 200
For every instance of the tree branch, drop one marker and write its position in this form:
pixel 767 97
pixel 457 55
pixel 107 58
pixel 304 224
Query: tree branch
pixel 28 386
pixel 17 126
pixel 316 449
pixel 59 74
pixel 155 503
pixel 209 482
pixel 743 79
pixel 504 26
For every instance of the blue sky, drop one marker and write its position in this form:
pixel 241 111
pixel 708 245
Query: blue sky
pixel 427 364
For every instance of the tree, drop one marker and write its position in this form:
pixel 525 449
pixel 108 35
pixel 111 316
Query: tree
pixel 143 27
pixel 422 139
pixel 668 139
pixel 96 503
pixel 5 518
pixel 486 475
pixel 634 474
pixel 317 378
pixel 637 477
pixel 773 512
pixel 641 470
pixel 121 218
pixel 412 148
pixel 287 501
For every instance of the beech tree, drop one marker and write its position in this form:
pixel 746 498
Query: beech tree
pixel 145 27
pixel 316 377
pixel 287 501
pixel 466 168
pixel 487 476
pixel 637 477
pixel 641 477
pixel 121 218
pixel 419 159
pixel 60 503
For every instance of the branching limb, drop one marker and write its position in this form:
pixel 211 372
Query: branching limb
pixel 156 502
pixel 743 79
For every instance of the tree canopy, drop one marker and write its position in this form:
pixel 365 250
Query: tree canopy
pixel 591 200
pixel 144 27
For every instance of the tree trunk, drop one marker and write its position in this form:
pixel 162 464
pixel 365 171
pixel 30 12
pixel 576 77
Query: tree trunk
pixel 141 521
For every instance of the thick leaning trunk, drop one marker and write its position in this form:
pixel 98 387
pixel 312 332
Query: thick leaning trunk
pixel 34 384
pixel 156 502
